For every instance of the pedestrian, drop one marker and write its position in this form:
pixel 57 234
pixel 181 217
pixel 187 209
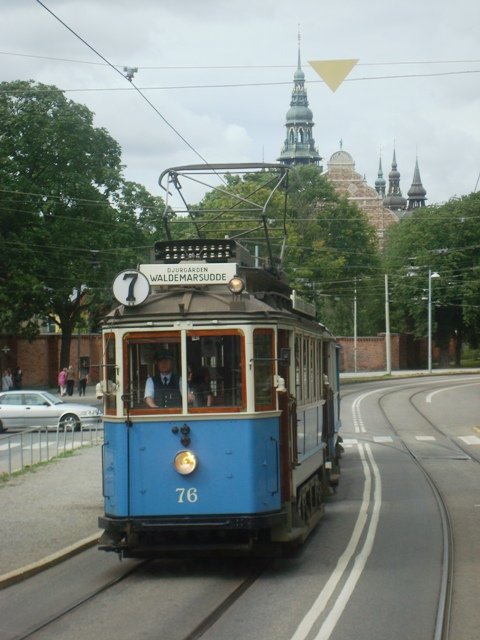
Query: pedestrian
pixel 17 378
pixel 70 380
pixel 7 381
pixel 62 381
pixel 82 381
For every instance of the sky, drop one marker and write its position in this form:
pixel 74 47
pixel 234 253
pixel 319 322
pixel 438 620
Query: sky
pixel 219 76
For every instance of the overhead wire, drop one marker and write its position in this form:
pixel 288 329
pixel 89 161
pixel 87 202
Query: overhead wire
pixel 137 89
pixel 238 85
pixel 230 66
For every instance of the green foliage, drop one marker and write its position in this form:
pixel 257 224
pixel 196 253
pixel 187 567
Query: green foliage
pixel 443 239
pixel 241 208
pixel 68 219
pixel 332 251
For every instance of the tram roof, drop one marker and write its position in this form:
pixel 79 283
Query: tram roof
pixel 208 304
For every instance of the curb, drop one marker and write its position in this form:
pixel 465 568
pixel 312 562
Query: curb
pixel 17 575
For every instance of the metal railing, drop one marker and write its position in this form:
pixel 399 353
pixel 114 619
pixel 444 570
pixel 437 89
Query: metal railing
pixel 35 445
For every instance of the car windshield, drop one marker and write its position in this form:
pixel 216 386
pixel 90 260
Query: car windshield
pixel 51 398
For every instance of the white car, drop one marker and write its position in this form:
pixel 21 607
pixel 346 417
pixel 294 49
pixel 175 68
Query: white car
pixel 26 409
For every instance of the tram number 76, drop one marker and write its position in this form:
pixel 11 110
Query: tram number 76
pixel 186 495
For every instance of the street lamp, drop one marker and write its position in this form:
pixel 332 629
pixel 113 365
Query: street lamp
pixel 430 276
pixel 388 348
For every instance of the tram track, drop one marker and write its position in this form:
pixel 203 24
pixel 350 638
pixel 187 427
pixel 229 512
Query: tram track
pixel 144 570
pixel 228 602
pixel 65 611
pixel 442 622
pixel 435 456
pixel 440 431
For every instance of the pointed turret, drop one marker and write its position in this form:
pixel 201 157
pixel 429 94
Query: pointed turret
pixel 299 146
pixel 394 199
pixel 380 182
pixel 416 193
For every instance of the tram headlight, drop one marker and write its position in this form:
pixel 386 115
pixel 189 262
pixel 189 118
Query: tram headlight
pixel 185 462
pixel 236 285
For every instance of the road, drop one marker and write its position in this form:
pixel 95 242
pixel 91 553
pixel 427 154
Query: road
pixel 396 555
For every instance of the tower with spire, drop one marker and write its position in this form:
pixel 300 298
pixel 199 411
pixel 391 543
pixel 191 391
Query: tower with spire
pixel 380 182
pixel 416 193
pixel 394 199
pixel 299 146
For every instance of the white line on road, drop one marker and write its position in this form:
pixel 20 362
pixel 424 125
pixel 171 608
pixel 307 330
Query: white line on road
pixel 470 439
pixel 321 601
pixel 458 386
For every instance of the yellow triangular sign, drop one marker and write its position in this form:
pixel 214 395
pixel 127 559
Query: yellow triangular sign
pixel 333 72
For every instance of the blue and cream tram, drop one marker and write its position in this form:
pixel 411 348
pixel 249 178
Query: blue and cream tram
pixel 238 450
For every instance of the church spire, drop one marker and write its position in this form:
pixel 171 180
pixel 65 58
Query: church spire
pixel 299 146
pixel 380 182
pixel 394 199
pixel 416 193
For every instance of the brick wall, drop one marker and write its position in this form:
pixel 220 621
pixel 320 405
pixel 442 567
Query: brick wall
pixel 39 360
pixel 406 353
pixel 369 354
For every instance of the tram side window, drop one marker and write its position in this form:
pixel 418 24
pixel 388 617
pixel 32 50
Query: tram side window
pixel 110 376
pixel 263 369
pixel 215 363
pixel 298 372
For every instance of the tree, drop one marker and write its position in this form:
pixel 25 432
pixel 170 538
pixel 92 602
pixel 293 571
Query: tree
pixel 443 239
pixel 68 219
pixel 330 246
pixel 332 251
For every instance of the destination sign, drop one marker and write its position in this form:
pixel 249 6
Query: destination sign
pixel 194 273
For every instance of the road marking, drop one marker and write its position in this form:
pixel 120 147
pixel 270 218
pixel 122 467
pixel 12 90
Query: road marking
pixel 360 561
pixel 425 438
pixel 470 439
pixel 458 386
pixel 315 611
pixel 380 439
pixel 349 442
pixel 5 447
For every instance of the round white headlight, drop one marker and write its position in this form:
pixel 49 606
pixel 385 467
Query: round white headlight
pixel 236 285
pixel 185 462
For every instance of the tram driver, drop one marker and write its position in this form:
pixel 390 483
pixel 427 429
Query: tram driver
pixel 162 390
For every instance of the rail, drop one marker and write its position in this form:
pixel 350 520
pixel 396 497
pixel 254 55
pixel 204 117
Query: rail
pixel 35 445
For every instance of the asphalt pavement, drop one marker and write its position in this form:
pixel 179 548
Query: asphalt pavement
pixel 51 511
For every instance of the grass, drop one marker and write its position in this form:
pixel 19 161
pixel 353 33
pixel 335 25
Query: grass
pixel 33 468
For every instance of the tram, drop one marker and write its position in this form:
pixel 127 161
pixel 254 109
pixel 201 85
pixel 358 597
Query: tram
pixel 221 404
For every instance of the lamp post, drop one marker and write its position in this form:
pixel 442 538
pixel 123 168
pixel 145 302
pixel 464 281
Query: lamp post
pixel 355 328
pixel 388 349
pixel 430 276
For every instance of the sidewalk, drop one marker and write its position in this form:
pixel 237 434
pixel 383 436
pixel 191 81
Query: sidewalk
pixel 88 398
pixel 358 376
pixel 48 512
pixel 51 512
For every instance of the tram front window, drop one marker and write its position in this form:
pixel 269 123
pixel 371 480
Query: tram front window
pixel 215 361
pixel 154 379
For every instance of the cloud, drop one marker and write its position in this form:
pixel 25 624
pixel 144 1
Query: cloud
pixel 253 45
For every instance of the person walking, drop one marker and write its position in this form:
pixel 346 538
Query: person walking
pixel 17 378
pixel 7 382
pixel 70 380
pixel 82 381
pixel 62 381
